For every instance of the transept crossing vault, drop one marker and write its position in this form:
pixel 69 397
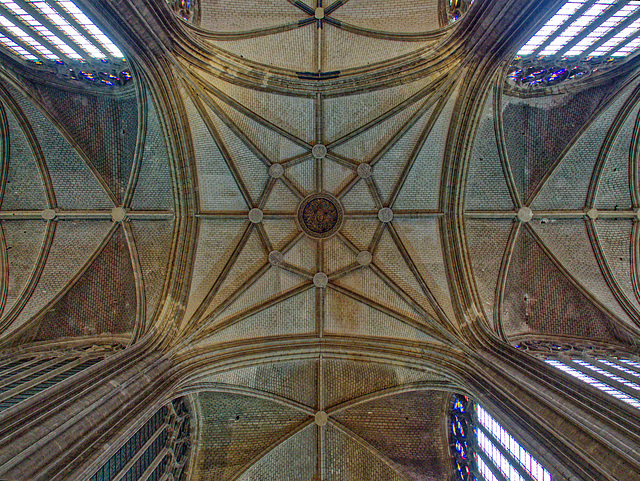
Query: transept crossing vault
pixel 297 228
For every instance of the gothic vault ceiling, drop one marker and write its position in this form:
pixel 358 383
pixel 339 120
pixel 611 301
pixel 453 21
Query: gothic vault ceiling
pixel 312 250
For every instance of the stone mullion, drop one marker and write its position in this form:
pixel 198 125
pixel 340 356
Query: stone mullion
pixel 498 126
pixel 614 31
pixel 618 372
pixel 604 16
pixel 24 361
pixel 567 361
pixel 564 25
pixel 143 449
pixel 146 384
pixel 495 470
pixel 162 454
pixel 45 376
pixel 32 370
pixel 622 364
pixel 72 424
pixel 141 140
pixel 506 453
pixel 554 417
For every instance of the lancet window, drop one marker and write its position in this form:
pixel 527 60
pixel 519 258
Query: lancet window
pixel 159 447
pixel 581 38
pixel 484 451
pixel 615 376
pixel 58 36
pixel 22 378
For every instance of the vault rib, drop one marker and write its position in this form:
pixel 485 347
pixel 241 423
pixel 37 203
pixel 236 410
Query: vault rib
pixel 596 115
pixel 375 192
pixel 34 277
pixel 34 144
pixel 249 113
pixel 141 140
pixel 498 126
pixel 375 452
pixel 501 284
pixel 634 152
pixel 237 177
pixel 32 323
pixel 292 187
pixel 429 89
pixel 417 148
pixel 5 152
pixel 635 259
pixel 238 292
pixel 610 138
pixel 609 278
pixel 302 6
pixel 255 150
pixel 425 328
pixel 582 289
pixel 270 448
pixel 257 32
pixel 319 117
pixel 264 238
pixel 398 290
pixel 212 329
pixel 141 307
pixel 368 32
pixel 199 313
pixel 297 270
pixel 220 387
pixel 271 182
pixel 414 270
pixel 375 241
pixel 346 270
pixel 296 159
pixel 392 391
pixel 4 270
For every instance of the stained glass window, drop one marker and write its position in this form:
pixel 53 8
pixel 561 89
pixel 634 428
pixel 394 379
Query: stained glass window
pixel 57 34
pixel 457 8
pixel 483 451
pixel 615 376
pixel 27 377
pixel 163 438
pixel 583 37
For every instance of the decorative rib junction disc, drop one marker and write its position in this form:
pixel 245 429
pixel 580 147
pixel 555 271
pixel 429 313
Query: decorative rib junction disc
pixel 320 215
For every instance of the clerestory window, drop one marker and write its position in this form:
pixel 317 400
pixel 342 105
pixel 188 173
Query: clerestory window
pixel 484 451
pixel 615 376
pixel 158 450
pixel 58 35
pixel 583 37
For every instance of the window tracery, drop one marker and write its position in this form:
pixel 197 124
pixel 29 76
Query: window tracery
pixel 582 38
pixel 56 36
pixel 457 8
pixel 603 367
pixel 186 9
pixel 158 450
pixel 28 375
pixel 484 451
pixel 613 375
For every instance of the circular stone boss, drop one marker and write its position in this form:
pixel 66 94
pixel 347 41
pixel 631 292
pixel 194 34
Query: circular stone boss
pixel 320 215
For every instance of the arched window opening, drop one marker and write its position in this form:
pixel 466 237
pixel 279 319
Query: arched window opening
pixel 583 37
pixel 26 376
pixel 186 9
pixel 602 367
pixel 457 8
pixel 57 35
pixel 158 450
pixel 484 451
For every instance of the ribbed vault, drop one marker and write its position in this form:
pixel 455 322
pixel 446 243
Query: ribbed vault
pixel 451 215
